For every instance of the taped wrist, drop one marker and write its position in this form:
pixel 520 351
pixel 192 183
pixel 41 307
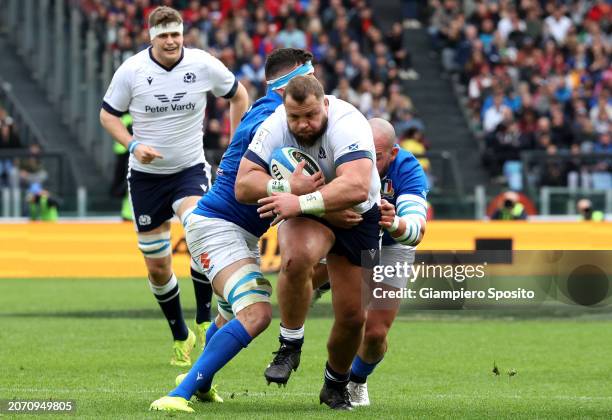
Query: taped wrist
pixel 312 203
pixel 395 225
pixel 278 186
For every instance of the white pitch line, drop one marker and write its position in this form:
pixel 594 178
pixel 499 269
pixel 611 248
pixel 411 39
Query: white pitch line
pixel 282 393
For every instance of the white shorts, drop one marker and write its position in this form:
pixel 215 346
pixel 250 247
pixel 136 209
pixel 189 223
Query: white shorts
pixel 390 255
pixel 216 243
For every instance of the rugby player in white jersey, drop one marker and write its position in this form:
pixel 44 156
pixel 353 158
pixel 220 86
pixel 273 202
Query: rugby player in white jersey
pixel 339 137
pixel 164 89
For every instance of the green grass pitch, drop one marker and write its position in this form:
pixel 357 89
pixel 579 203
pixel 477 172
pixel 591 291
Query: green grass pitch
pixel 104 344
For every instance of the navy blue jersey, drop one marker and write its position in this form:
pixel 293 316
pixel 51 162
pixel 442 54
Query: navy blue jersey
pixel 405 186
pixel 220 202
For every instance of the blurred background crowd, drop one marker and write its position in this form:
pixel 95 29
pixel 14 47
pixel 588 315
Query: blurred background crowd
pixel 536 76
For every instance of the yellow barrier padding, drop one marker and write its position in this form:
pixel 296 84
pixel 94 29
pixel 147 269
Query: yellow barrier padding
pixel 81 250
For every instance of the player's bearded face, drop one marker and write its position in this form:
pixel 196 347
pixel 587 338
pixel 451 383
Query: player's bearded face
pixel 167 47
pixel 307 121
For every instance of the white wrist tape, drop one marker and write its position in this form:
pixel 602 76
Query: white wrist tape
pixel 172 27
pixel 312 203
pixel 395 225
pixel 277 186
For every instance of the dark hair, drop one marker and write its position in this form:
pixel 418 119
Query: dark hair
pixel 164 15
pixel 301 87
pixel 280 60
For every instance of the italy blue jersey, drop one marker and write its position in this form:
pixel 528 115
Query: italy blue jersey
pixel 220 202
pixel 405 186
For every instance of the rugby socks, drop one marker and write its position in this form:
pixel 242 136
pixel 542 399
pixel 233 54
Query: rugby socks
pixel 170 303
pixel 221 348
pixel 360 370
pixel 211 331
pixel 334 379
pixel 203 295
pixel 292 337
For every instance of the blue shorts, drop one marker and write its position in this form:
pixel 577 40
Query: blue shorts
pixel 152 195
pixel 359 244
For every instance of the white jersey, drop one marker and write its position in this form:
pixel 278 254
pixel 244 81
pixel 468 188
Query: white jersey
pixel 348 137
pixel 167 104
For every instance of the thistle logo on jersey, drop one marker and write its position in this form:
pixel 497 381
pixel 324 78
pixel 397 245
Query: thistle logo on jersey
pixel 189 77
pixel 284 160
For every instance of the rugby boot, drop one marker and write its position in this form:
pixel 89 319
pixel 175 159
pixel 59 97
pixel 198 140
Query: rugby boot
pixel 182 350
pixel 212 395
pixel 359 394
pixel 335 398
pixel 286 359
pixel 168 403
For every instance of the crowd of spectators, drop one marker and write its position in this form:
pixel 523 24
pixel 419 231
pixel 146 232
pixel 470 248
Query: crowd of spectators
pixel 354 58
pixel 537 76
pixel 18 171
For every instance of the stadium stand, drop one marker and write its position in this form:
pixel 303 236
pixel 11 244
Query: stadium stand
pixel 534 80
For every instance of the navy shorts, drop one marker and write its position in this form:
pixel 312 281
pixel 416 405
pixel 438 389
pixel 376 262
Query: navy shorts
pixel 359 244
pixel 152 195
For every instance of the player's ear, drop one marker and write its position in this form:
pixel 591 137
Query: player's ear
pixel 326 103
pixel 394 151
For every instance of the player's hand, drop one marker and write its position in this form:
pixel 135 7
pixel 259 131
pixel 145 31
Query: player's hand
pixel 281 206
pixel 146 154
pixel 343 219
pixel 305 184
pixel 387 214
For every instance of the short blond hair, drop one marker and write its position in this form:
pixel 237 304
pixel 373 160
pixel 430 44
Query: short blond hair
pixel 164 15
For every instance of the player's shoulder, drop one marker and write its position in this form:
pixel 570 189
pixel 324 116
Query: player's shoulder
pixel 407 168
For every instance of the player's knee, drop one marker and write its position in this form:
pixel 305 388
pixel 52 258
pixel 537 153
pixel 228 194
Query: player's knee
pixel 351 318
pixel 299 261
pixel 256 317
pixel 375 335
pixel 159 272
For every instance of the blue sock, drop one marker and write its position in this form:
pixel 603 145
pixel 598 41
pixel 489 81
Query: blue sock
pixel 360 370
pixel 222 348
pixel 211 331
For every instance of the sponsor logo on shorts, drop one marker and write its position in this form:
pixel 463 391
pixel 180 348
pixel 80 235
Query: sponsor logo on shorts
pixel 204 260
pixel 144 220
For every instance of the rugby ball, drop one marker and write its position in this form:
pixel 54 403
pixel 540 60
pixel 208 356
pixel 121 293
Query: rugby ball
pixel 284 160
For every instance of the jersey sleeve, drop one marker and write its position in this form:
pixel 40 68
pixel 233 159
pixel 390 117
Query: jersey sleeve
pixel 223 81
pixel 352 139
pixel 267 138
pixel 119 93
pixel 412 190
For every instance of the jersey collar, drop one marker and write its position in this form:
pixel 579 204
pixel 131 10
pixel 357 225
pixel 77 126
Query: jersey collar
pixel 161 65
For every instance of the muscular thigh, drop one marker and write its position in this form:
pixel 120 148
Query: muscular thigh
pixel 347 284
pixel 304 237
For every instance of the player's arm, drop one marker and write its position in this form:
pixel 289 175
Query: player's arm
pixel 253 181
pixel 349 188
pixel 407 225
pixel 117 98
pixel 239 103
pixel 112 123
